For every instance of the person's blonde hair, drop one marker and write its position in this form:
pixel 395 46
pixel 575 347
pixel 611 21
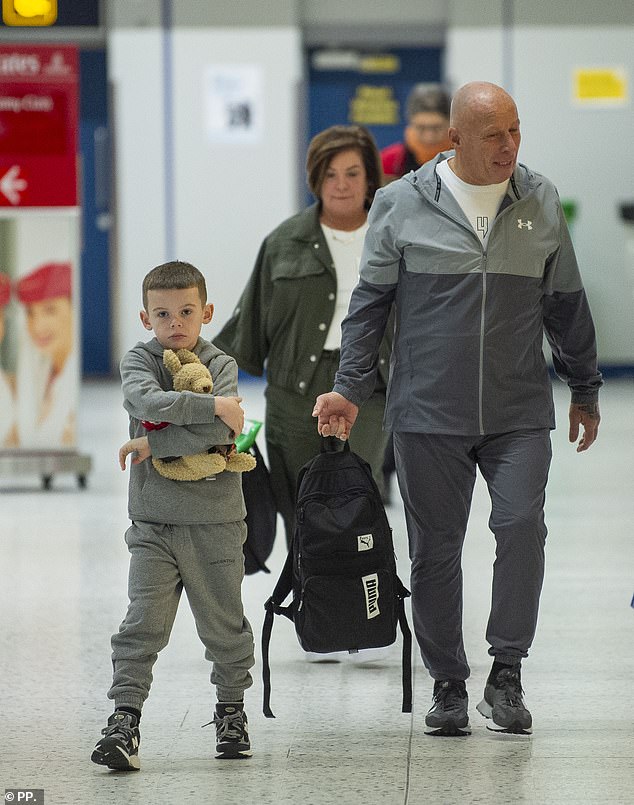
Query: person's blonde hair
pixel 332 141
pixel 175 275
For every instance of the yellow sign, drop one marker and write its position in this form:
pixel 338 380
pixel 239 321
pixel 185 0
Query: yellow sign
pixel 602 85
pixel 374 106
pixel 387 63
pixel 31 13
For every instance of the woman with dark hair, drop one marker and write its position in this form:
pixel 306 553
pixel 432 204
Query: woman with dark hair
pixel 289 316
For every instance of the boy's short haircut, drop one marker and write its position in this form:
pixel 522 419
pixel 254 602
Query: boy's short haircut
pixel 175 275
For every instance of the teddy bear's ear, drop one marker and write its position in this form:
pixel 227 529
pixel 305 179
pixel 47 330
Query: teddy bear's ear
pixel 185 356
pixel 170 359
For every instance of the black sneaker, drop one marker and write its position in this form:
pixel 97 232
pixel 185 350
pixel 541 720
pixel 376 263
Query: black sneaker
pixel 232 735
pixel 448 714
pixel 119 747
pixel 504 705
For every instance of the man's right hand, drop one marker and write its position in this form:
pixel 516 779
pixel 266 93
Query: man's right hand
pixel 335 415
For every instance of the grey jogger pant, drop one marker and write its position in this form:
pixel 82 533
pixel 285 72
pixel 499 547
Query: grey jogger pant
pixel 207 562
pixel 436 476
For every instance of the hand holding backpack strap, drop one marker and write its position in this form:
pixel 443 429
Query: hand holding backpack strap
pixel 331 444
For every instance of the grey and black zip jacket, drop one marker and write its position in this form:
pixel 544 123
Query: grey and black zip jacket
pixel 467 356
pixel 193 428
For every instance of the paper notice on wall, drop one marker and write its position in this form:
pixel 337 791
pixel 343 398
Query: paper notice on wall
pixel 234 103
pixel 603 86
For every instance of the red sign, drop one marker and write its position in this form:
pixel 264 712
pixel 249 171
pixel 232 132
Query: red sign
pixel 38 126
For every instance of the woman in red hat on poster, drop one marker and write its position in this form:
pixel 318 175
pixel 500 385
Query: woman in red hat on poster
pixel 47 364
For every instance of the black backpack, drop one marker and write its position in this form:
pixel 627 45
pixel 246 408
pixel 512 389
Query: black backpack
pixel 341 567
pixel 261 516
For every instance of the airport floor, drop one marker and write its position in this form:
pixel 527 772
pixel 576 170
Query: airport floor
pixel 339 735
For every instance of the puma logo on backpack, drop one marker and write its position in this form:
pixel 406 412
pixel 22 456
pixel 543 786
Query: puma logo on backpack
pixel 341 568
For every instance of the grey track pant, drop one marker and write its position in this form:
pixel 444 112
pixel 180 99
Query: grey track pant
pixel 207 562
pixel 436 476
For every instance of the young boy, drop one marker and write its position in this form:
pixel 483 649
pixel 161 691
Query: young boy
pixel 184 534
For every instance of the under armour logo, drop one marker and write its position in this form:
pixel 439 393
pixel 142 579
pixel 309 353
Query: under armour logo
pixel 524 224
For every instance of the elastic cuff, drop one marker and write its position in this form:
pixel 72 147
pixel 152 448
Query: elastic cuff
pixel 584 398
pixel 129 701
pixel 227 695
pixel 508 659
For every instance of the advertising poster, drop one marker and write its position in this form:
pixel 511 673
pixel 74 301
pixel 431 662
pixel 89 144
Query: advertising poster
pixel 39 225
pixel 39 372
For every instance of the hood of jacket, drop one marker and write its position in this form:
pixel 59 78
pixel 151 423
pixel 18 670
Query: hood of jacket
pixel 205 350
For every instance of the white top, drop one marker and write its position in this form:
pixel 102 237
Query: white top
pixel 345 250
pixel 480 203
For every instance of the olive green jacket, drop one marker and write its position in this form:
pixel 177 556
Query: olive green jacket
pixel 284 313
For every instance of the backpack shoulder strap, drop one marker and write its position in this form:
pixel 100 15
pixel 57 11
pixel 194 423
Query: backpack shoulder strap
pixel 403 593
pixel 273 606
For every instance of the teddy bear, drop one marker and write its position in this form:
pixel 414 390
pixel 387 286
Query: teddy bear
pixel 191 375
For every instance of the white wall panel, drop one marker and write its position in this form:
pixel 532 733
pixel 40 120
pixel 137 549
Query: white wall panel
pixel 229 195
pixel 586 150
pixel 474 54
pixel 135 69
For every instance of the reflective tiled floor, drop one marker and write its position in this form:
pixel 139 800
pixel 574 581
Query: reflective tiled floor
pixel 339 735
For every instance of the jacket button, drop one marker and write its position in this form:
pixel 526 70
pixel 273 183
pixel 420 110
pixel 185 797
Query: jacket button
pixel 313 358
pixel 322 326
pixel 302 385
pixel 382 361
pixel 331 296
pixel 315 245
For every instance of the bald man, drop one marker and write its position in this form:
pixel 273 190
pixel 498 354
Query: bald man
pixel 473 250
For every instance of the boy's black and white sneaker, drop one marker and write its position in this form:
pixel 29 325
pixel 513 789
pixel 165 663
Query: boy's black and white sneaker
pixel 503 703
pixel 119 747
pixel 448 715
pixel 232 735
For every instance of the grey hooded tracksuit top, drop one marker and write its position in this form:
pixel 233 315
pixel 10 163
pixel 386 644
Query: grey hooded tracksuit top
pixel 148 395
pixel 467 355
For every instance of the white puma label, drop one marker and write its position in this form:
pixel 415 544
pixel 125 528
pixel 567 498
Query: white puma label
pixel 371 589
